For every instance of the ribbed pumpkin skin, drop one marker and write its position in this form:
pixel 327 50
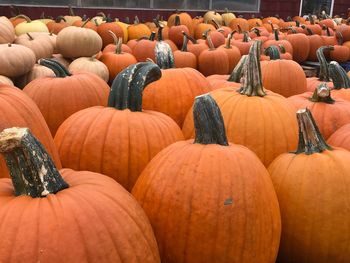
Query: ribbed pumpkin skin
pixel 221 81
pixel 7 31
pixel 174 93
pixel 284 77
pixel 213 62
pixel 18 110
pixel 95 220
pixel 313 82
pixel 255 122
pixel 313 195
pixel 329 117
pixel 301 46
pixel 114 142
pixel 341 137
pixel 184 188
pixel 58 98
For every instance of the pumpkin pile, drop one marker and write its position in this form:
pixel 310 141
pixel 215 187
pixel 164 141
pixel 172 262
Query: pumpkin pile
pixel 182 140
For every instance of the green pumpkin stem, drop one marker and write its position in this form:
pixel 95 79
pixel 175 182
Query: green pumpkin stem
pixel 32 171
pixel 246 37
pixel 127 87
pixel 256 31
pixel 152 36
pixel 251 79
pixel 85 22
pixel 59 70
pixel 59 19
pixel 324 71
pixel 160 32
pixel 310 139
pixel 177 21
pixel 208 122
pixel 185 42
pixel 273 52
pixel 339 37
pixel 193 40
pixel 339 76
pixel 228 41
pixel 292 30
pixel 237 72
pixel 276 34
pixel 322 94
pixel 29 36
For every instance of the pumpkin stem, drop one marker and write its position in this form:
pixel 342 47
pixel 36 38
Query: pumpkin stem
pixel 164 55
pixel 256 31
pixel 276 33
pixel 32 171
pixel 152 36
pixel 311 19
pixel 237 72
pixel 292 30
pixel 118 49
pixel 30 36
pixel 127 87
pixel 115 38
pixel 251 79
pixel 25 17
pixel 338 75
pixel 310 139
pixel 339 37
pixel 136 20
pixel 85 22
pixel 185 41
pixel 216 24
pixel 208 121
pixel 273 52
pixel 59 19
pixel 271 25
pixel 160 32
pixel 324 71
pixel 246 37
pixel 228 41
pixel 59 70
pixel 177 21
pixel 322 94
pixel 193 40
pixel 210 43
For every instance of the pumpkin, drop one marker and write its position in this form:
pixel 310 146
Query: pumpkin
pixel 210 203
pixel 239 24
pixel 175 32
pixel 300 44
pixel 59 205
pixel 6 80
pixel 340 138
pixel 311 185
pixel 71 17
pixel 316 41
pixel 38 71
pixel 144 48
pixel 30 26
pixel 112 47
pixel 233 53
pixel 45 19
pixel 124 27
pixel 123 137
pixel 254 117
pixel 196 48
pixel 138 30
pixel 15 60
pixel 86 24
pixel 104 29
pixel 213 60
pixel 91 65
pixel 243 44
pixel 276 42
pixel 181 83
pixel 315 28
pixel 217 38
pixel 209 16
pixel 285 77
pixel 185 19
pixel 94 90
pixel 56 26
pixel 41 45
pixel 117 61
pixel 183 58
pixel 344 30
pixel 227 17
pixel 7 31
pixel 339 53
pixel 201 28
pixel 328 113
pixel 18 110
pixel 74 42
pixel 64 61
pixel 328 37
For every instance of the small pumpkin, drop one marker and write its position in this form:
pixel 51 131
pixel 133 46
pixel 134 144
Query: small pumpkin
pixel 183 58
pixel 175 32
pixel 138 30
pixel 90 64
pixel 7 31
pixel 56 26
pixel 38 71
pixel 104 29
pixel 30 26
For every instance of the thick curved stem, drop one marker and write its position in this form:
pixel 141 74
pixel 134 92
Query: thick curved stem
pixel 216 24
pixel 32 171
pixel 164 55
pixel 273 52
pixel 127 87
pixel 118 47
pixel 228 41
pixel 324 72
pixel 25 17
pixel 246 37
pixel 251 79
pixel 339 37
pixel 210 43
pixel 339 76
pixel 59 70
pixel 322 94
pixel 185 42
pixel 237 72
pixel 193 40
pixel 208 121
pixel 310 139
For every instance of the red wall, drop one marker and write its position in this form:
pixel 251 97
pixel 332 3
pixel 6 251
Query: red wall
pixel 283 8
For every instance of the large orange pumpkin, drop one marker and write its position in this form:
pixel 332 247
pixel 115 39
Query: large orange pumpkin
pixel 312 188
pixel 66 216
pixel 207 198
pixel 69 93
pixel 254 117
pixel 18 110
pixel 118 140
pixel 341 137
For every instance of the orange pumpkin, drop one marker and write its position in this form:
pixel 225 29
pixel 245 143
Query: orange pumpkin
pixel 56 26
pixel 233 53
pixel 118 140
pixel 138 30
pixel 59 205
pixel 104 28
pixel 183 58
pixel 218 192
pixel 71 93
pixel 311 185
pixel 341 137
pixel 300 44
pixel 185 19
pixel 175 32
